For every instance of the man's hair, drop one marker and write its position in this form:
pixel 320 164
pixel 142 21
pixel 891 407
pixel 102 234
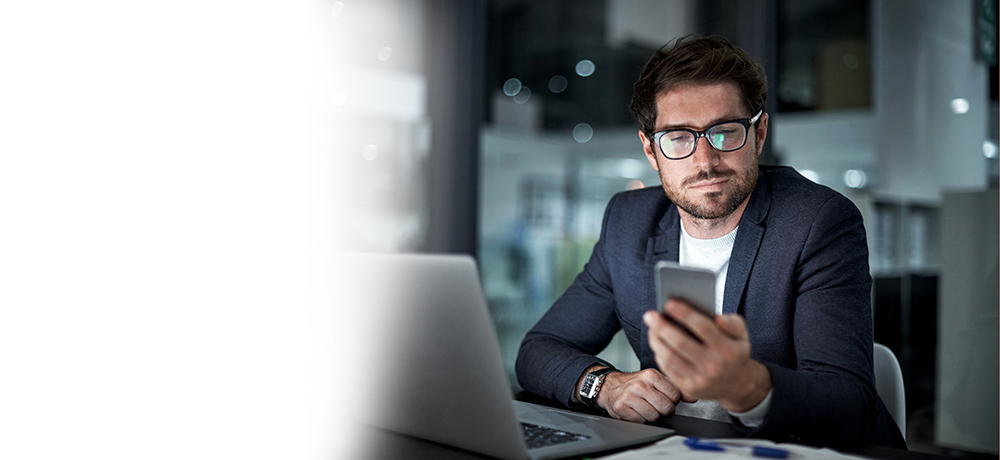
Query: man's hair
pixel 700 60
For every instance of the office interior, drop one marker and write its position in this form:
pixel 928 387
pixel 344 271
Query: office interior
pixel 499 129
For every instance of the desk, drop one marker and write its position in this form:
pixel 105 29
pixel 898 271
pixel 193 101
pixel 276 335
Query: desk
pixel 380 444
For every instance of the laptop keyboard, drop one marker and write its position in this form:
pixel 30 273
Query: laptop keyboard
pixel 539 436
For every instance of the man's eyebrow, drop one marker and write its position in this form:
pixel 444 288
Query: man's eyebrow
pixel 700 128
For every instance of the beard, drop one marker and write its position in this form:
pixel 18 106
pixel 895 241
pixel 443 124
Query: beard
pixel 715 205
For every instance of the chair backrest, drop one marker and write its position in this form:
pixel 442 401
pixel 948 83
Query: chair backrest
pixel 889 384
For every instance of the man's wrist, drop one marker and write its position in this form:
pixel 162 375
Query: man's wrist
pixel 755 416
pixel 758 389
pixel 592 385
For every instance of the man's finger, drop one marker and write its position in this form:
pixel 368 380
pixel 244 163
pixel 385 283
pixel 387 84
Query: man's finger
pixel 662 404
pixel 657 341
pixel 669 339
pixel 733 325
pixel 667 388
pixel 662 385
pixel 633 415
pixel 648 412
pixel 695 321
pixel 634 410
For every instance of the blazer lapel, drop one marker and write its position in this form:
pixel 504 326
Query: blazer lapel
pixel 747 244
pixel 663 246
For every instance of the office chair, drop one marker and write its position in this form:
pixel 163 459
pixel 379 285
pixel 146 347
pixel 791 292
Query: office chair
pixel 889 384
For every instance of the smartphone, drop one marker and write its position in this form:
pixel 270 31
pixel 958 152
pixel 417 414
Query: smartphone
pixel 695 286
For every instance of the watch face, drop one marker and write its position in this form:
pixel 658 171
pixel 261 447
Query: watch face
pixel 592 385
pixel 587 388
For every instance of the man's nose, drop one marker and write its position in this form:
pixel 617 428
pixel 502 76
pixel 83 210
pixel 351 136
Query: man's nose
pixel 705 156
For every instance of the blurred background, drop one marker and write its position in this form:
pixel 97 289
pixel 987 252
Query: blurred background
pixel 499 128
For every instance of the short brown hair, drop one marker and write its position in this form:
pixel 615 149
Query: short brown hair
pixel 702 60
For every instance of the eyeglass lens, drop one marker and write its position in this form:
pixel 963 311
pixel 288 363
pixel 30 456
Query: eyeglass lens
pixel 725 137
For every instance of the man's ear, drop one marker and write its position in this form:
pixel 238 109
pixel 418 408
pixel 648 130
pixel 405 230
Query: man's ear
pixel 647 148
pixel 761 132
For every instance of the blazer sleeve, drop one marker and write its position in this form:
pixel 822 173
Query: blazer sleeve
pixel 830 397
pixel 581 323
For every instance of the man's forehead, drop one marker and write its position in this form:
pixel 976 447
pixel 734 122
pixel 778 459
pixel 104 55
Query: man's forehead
pixel 698 104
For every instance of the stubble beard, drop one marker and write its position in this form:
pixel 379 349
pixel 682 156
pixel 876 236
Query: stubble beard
pixel 715 205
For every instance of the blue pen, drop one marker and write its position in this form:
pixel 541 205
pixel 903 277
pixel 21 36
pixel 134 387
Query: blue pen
pixel 757 451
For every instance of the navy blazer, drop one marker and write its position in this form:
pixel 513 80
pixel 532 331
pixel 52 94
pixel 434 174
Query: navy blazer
pixel 799 276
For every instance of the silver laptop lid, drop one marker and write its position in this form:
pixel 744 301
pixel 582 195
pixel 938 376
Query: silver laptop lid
pixel 432 366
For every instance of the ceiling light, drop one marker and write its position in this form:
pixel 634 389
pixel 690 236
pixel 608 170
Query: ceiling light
pixel 990 149
pixel 855 178
pixel 523 95
pixel 959 105
pixel 511 87
pixel 582 133
pixel 558 84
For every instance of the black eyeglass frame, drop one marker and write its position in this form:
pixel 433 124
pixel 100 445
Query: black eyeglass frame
pixel 746 122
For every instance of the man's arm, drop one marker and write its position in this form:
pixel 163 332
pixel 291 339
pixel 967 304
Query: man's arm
pixel 560 350
pixel 830 396
pixel 557 351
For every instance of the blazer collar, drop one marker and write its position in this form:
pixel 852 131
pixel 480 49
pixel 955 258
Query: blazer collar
pixel 670 233
pixel 748 239
pixel 760 201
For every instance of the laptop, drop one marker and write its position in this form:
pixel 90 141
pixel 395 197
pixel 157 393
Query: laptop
pixel 433 369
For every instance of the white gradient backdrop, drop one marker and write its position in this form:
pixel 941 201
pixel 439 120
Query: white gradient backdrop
pixel 162 232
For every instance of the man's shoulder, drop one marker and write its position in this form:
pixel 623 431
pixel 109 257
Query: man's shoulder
pixel 788 186
pixel 792 196
pixel 651 195
pixel 787 177
pixel 637 210
pixel 647 202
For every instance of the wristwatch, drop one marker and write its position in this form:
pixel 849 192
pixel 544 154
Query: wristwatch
pixel 592 385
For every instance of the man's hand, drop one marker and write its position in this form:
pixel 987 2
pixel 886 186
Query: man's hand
pixel 642 396
pixel 719 367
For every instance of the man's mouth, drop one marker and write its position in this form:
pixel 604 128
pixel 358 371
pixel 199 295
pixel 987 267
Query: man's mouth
pixel 707 180
pixel 709 183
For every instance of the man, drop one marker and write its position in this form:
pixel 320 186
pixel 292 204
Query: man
pixel 789 357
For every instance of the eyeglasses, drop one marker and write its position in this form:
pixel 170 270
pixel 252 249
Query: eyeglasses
pixel 678 144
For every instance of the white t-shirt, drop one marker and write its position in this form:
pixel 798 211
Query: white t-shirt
pixel 712 254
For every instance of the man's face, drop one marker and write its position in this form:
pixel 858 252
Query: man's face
pixel 709 184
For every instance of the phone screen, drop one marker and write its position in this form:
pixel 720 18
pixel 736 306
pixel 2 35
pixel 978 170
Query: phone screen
pixel 695 286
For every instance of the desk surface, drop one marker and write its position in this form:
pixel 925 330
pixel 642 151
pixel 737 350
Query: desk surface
pixel 380 444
